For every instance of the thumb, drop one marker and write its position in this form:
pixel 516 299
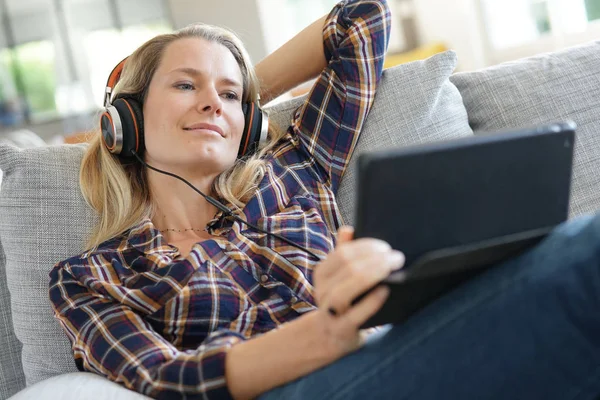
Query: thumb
pixel 345 234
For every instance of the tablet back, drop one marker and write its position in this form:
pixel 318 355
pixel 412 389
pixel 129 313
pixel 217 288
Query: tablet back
pixel 450 194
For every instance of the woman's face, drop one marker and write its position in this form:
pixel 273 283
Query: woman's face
pixel 193 117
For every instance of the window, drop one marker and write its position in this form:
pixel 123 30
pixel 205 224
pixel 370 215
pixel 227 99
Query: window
pixel 10 102
pixel 36 62
pixel 106 48
pixel 55 55
pixel 592 8
pixel 513 23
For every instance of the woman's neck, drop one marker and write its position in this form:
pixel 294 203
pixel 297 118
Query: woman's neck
pixel 179 207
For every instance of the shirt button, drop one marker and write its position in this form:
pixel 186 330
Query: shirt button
pixel 294 299
pixel 264 278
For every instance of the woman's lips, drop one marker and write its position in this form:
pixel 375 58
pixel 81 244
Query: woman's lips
pixel 205 127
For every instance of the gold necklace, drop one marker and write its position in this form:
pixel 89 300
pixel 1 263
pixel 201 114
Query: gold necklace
pixel 184 230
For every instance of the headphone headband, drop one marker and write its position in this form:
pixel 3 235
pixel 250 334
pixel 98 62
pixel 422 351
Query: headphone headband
pixel 113 78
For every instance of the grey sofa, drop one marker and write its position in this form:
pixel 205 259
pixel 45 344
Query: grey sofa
pixel 43 218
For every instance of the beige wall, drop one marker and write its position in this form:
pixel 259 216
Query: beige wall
pixel 242 16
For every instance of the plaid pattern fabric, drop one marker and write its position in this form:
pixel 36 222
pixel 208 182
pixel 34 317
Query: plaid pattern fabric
pixel 139 313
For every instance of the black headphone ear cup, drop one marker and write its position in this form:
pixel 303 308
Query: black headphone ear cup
pixel 252 129
pixel 132 120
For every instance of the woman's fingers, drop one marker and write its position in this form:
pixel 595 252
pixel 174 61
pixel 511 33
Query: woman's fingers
pixel 364 309
pixel 349 252
pixel 367 273
pixel 364 256
pixel 345 234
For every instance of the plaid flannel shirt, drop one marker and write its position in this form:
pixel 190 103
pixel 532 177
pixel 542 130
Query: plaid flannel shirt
pixel 141 315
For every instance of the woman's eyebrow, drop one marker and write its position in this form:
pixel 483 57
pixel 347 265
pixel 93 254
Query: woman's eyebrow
pixel 194 72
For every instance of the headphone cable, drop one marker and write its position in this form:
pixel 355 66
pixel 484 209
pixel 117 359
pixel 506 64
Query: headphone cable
pixel 227 211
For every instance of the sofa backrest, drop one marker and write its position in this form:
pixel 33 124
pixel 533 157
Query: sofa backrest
pixel 563 85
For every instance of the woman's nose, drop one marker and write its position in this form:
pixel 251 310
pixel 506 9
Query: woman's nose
pixel 210 101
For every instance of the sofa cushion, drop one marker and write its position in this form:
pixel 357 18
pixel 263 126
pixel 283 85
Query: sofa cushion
pixel 541 89
pixel 44 219
pixel 415 103
pixel 12 378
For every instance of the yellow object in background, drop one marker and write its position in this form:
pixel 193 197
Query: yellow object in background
pixel 420 53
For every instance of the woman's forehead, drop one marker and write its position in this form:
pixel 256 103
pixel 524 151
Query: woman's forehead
pixel 189 54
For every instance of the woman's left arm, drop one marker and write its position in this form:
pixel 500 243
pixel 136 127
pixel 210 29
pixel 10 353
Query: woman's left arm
pixel 349 53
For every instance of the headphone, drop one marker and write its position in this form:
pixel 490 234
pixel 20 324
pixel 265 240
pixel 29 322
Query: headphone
pixel 122 122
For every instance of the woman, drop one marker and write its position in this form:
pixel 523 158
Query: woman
pixel 176 298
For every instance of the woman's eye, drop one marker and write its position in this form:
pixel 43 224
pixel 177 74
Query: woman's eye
pixel 184 86
pixel 231 96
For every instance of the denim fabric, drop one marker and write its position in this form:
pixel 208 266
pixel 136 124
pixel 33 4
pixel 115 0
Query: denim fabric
pixel 527 329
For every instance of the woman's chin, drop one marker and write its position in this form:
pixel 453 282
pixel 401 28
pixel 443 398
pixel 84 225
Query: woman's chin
pixel 200 154
pixel 206 158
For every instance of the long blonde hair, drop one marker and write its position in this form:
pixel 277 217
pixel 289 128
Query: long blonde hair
pixel 120 192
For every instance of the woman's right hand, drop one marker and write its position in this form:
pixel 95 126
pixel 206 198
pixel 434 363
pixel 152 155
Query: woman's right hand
pixel 350 270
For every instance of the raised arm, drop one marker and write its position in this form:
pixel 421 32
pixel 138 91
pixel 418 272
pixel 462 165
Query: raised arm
pixel 347 55
pixel 297 61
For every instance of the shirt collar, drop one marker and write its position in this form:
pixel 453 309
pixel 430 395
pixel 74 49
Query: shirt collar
pixel 147 239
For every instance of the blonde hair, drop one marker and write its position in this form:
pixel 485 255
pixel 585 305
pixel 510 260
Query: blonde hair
pixel 120 192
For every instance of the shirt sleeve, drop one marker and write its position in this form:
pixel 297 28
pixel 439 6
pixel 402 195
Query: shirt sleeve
pixel 355 37
pixel 113 340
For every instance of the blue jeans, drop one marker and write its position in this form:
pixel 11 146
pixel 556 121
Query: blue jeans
pixel 527 329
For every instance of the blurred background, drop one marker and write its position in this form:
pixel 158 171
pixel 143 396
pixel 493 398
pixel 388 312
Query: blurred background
pixel 55 55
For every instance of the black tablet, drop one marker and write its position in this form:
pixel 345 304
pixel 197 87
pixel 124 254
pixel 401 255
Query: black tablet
pixel 458 207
